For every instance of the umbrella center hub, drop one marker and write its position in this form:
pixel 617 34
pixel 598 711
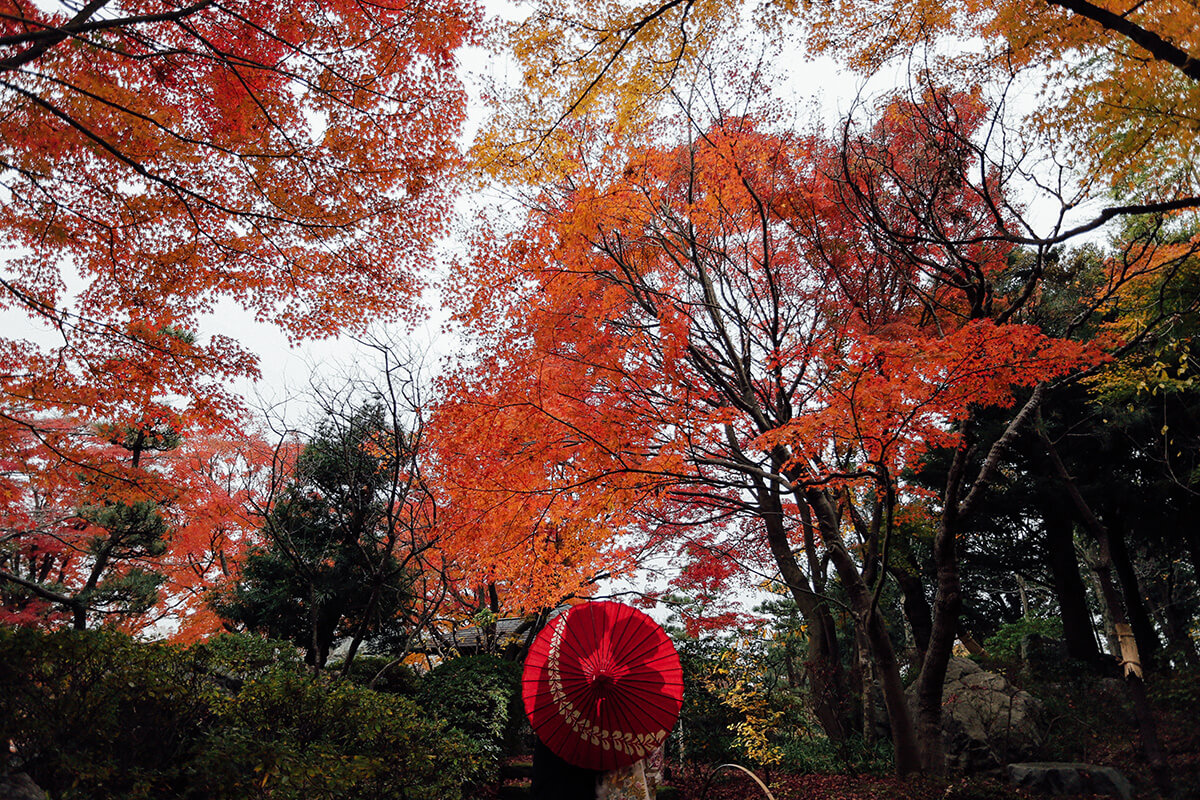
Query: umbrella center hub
pixel 603 678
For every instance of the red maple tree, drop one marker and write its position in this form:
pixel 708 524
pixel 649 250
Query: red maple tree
pixel 752 335
pixel 162 160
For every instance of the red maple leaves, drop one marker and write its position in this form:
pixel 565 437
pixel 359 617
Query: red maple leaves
pixel 660 338
pixel 295 159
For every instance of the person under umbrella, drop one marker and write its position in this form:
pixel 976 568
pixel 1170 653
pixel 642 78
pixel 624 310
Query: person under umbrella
pixel 602 688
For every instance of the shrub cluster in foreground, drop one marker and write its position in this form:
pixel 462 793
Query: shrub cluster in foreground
pixel 99 715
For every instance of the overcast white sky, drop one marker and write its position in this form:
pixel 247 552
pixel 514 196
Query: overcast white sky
pixel 287 369
pixel 817 87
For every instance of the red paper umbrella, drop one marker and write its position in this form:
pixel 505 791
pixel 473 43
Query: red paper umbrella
pixel 602 685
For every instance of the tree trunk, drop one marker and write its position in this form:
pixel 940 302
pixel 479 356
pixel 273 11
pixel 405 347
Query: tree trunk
pixel 323 620
pixel 917 610
pixel 1135 608
pixel 79 616
pixel 887 669
pixel 360 631
pixel 947 604
pixel 1134 680
pixel 823 668
pixel 824 664
pixel 313 646
pixel 83 597
pixel 866 676
pixel 1106 617
pixel 1068 584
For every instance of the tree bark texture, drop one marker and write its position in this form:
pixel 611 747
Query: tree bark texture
pixel 1134 683
pixel 1122 564
pixel 823 667
pixel 1068 583
pixel 947 605
pixel 917 610
pixel 887 668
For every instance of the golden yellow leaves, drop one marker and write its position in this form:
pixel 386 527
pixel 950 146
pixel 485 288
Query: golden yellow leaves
pixel 1113 95
pixel 596 76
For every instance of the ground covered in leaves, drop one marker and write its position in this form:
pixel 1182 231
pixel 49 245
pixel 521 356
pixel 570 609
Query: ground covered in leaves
pixel 703 785
pixel 1117 746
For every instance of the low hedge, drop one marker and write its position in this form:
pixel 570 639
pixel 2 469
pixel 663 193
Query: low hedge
pixel 94 714
pixel 479 696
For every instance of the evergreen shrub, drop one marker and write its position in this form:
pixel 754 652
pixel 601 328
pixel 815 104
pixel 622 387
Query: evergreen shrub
pixel 288 735
pixel 99 715
pixel 481 697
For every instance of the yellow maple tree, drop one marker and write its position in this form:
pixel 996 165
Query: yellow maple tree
pixel 1119 80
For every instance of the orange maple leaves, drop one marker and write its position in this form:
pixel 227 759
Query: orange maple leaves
pixel 748 307
pixel 293 158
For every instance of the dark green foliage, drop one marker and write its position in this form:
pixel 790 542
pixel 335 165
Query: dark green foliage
pixel 139 526
pixel 704 732
pixel 332 564
pixel 289 735
pixel 94 714
pixel 1178 690
pixel 123 539
pixel 247 656
pixel 129 593
pixel 1005 643
pixel 730 682
pixel 819 754
pixel 1130 438
pixel 480 696
pixel 99 716
pixel 126 533
pixel 1177 698
pixel 787 647
pixel 382 674
pixel 141 439
pixel 1069 277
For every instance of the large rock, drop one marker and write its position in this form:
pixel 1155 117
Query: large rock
pixel 20 786
pixel 1065 778
pixel 986 721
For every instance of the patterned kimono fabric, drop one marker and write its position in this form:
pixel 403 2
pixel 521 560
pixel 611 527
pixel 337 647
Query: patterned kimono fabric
pixel 626 783
pixel 638 781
